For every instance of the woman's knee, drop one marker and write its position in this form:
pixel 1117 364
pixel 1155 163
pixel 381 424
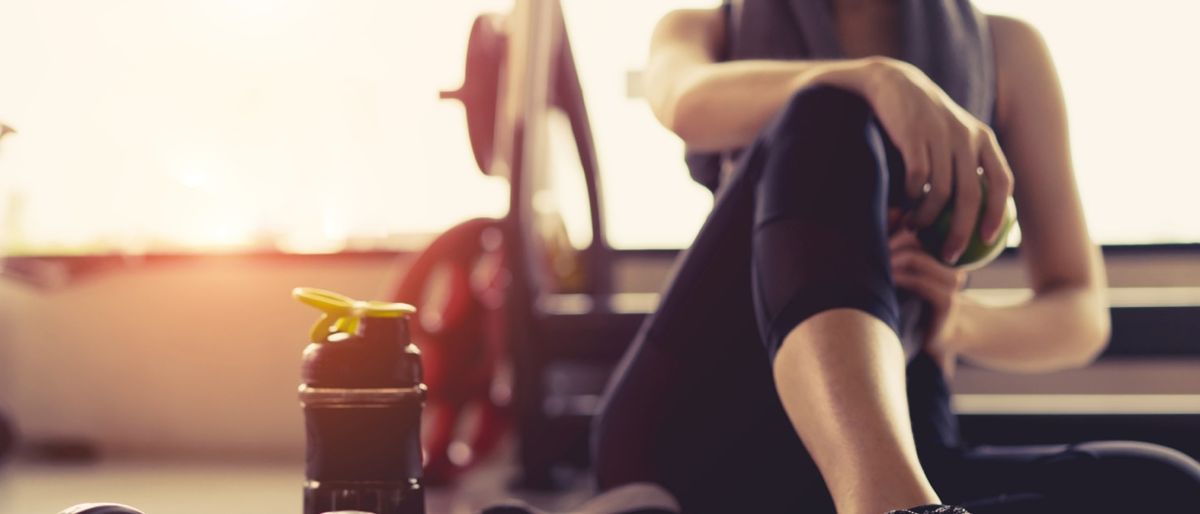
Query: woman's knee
pixel 825 156
pixel 820 237
pixel 824 146
pixel 820 115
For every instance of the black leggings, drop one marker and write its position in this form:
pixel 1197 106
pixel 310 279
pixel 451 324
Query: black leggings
pixel 797 230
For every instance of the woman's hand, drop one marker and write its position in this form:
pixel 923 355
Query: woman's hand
pixel 938 284
pixel 943 147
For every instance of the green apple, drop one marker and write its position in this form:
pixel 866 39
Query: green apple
pixel 978 252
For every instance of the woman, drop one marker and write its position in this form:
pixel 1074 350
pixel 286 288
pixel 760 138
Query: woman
pixel 810 119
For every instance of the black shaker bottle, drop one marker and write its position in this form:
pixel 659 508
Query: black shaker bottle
pixel 362 397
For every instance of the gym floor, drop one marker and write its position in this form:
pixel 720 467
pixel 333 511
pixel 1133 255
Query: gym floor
pixel 227 488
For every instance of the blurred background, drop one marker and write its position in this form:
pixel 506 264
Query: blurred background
pixel 179 166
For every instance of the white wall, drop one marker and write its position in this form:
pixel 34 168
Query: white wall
pixel 196 356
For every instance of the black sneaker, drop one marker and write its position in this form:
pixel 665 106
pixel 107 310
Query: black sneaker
pixel 932 509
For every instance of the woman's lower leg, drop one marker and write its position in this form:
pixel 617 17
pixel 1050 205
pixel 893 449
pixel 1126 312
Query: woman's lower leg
pixel 840 375
pixel 827 304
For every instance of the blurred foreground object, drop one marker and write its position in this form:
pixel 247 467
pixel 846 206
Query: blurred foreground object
pixel 101 508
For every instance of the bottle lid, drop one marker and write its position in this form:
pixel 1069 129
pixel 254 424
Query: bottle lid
pixel 340 313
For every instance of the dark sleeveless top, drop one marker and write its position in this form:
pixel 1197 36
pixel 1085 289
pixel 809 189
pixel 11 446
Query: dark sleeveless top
pixel 947 39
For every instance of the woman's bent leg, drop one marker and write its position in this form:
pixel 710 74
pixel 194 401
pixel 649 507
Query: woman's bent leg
pixel 796 237
pixel 692 406
pixel 827 303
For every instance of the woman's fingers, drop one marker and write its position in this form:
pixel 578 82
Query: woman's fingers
pixel 914 264
pixel 931 280
pixel 903 240
pixel 932 292
pixel 916 167
pixel 999 186
pixel 966 206
pixel 940 185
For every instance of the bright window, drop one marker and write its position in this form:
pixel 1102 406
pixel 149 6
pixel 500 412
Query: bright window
pixel 1130 83
pixel 298 125
pixel 309 125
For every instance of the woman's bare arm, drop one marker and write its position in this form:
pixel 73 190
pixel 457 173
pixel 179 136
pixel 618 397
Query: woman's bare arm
pixel 721 105
pixel 716 106
pixel 1066 322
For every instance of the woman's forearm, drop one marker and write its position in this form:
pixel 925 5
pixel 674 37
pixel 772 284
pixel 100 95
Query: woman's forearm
pixel 725 105
pixel 1057 329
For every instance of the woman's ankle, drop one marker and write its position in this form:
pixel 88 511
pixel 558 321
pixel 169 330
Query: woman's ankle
pixel 884 497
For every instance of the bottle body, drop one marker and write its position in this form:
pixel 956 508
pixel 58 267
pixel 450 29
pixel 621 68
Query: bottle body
pixel 364 450
pixel 362 395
